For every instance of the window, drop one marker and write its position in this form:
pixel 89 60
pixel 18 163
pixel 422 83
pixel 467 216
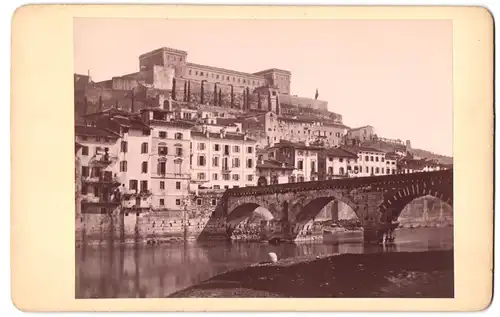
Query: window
pixel 178 202
pixel 249 163
pixel 162 185
pixel 98 139
pixel 85 171
pixel 371 158
pixel 236 177
pixel 84 189
pixel 376 158
pixel 215 161
pixel 300 165
pixel 367 158
pixel 162 202
pixel 162 150
pixel 226 149
pixel 226 186
pixel 249 150
pixel 214 202
pixel 372 169
pixel 201 176
pixel 236 149
pixel 393 171
pixel 250 178
pixel 144 186
pixel 178 166
pixel 85 150
pixel 178 136
pixel 341 160
pixel 144 167
pixel 162 168
pixel 367 170
pixel 162 134
pixel 341 171
pixel 123 166
pixel 198 202
pixel 377 170
pixel 216 186
pixel 201 160
pixel 382 159
pixel 144 148
pixel 178 185
pixel 215 176
pixel 132 184
pixel 225 177
pixel 201 146
pixel 236 162
pixel 124 146
pixel 330 170
pixel 217 147
pixel 178 151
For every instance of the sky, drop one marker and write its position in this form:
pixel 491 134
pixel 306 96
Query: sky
pixel 395 75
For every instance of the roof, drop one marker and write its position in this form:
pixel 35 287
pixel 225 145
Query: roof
pixel 273 164
pixel 235 72
pixel 83 130
pixel 159 109
pixel 391 156
pixel 110 111
pixel 359 128
pixel 227 136
pixel 334 124
pixel 173 123
pixel 295 119
pixel 338 152
pixel 273 70
pixel 299 146
pixel 227 121
pixel 168 49
pixel 357 149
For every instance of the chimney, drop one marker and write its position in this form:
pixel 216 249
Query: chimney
pixel 222 133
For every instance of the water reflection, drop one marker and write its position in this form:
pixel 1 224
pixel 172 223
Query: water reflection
pixel 157 271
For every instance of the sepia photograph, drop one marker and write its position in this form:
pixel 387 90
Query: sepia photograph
pixel 281 158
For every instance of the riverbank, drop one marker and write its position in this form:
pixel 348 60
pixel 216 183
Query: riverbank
pixel 391 274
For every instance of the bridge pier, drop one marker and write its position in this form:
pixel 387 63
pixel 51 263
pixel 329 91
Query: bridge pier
pixel 371 235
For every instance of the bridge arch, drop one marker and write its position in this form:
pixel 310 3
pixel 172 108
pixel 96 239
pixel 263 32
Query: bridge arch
pixel 245 212
pixel 395 201
pixel 310 210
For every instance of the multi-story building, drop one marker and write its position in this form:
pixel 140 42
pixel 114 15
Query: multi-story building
pixel 391 160
pixel 301 156
pixel 166 159
pixel 270 128
pixel 134 135
pixel 337 163
pixel 222 160
pixel 362 134
pixel 370 162
pixel 270 172
pixel 97 157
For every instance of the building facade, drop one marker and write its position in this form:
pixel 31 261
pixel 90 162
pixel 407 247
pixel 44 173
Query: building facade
pixel 222 160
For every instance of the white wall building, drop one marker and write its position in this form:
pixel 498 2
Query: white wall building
pixel 222 160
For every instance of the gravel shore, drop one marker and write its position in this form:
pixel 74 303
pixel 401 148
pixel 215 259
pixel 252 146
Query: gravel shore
pixel 391 274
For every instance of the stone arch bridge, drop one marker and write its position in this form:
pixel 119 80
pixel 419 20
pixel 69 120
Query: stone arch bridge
pixel 377 200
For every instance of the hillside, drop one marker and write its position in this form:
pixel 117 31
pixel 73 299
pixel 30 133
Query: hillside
pixel 391 147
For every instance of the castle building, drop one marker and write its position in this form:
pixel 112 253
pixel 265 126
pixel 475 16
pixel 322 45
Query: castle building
pixel 361 134
pixel 222 160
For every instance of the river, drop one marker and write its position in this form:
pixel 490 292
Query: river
pixel 156 271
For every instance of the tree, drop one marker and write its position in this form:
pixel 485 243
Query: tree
pixel 259 101
pixel 189 91
pixel 202 99
pixel 220 97
pixel 232 97
pixel 269 104
pixel 185 91
pixel 173 89
pixel 215 95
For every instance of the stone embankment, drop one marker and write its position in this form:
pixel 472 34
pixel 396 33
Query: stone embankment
pixel 390 274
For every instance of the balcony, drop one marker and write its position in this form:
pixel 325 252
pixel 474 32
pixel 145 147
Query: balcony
pixel 225 170
pixel 129 193
pixel 103 159
pixel 173 175
pixel 102 178
pixel 100 200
